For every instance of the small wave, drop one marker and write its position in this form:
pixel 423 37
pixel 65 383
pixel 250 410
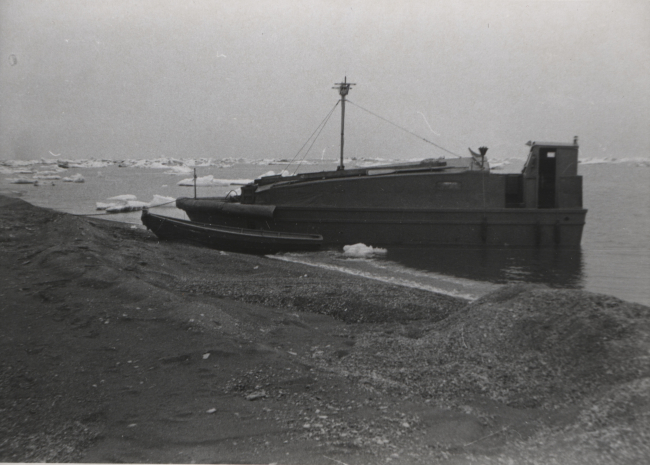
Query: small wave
pixel 385 279
pixel 595 161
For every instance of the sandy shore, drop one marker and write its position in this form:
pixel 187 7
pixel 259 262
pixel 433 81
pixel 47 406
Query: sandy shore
pixel 118 348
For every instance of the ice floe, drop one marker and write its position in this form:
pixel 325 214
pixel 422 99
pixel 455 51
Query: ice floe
pixel 283 173
pixel 131 206
pixel 129 203
pixel 15 171
pixel 362 251
pixel 178 170
pixel 74 178
pixel 19 162
pixel 20 181
pixel 91 164
pixel 124 197
pixel 210 180
pixel 159 200
pixel 52 170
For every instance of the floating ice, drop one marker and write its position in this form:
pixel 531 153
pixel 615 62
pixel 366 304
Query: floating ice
pixel 128 203
pixel 20 181
pixel 362 251
pixel 74 178
pixel 124 197
pixel 51 170
pixel 369 162
pixel 178 170
pixel 283 173
pixel 161 200
pixel 232 182
pixel 19 162
pixel 45 177
pixel 121 209
pixel 15 171
pixel 84 163
pixel 200 181
pixel 137 203
pixel 179 166
pixel 209 180
pixel 131 206
pixel 104 206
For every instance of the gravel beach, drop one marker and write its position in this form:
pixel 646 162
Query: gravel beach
pixel 119 348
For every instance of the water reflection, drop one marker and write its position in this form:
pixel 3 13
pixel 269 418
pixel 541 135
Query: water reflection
pixel 553 267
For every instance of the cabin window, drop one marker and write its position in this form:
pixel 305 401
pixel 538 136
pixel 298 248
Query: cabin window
pixel 449 186
pixel 550 154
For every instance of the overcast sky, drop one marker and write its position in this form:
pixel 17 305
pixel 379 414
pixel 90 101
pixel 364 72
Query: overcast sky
pixel 253 78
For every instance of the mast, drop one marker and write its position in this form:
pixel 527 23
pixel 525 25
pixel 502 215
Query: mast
pixel 344 88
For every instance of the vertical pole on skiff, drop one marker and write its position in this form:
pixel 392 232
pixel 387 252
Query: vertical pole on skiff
pixel 194 182
pixel 344 88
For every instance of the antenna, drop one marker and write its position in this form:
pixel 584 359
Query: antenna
pixel 344 88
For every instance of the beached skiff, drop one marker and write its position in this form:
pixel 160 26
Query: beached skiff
pixel 253 241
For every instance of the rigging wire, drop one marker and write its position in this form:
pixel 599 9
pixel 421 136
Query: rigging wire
pixel 403 129
pixel 321 125
pixel 315 138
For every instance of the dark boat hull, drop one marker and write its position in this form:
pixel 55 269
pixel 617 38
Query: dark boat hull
pixel 229 238
pixel 416 227
pixel 442 203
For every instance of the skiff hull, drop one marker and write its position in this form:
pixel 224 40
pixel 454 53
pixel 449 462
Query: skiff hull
pixel 229 238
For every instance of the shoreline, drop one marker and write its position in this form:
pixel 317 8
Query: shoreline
pixel 117 347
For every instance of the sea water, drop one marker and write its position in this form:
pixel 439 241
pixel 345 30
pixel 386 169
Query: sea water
pixel 614 257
